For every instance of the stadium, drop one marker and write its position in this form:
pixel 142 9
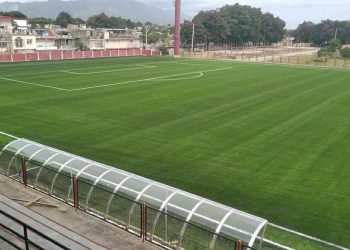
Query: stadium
pixel 195 150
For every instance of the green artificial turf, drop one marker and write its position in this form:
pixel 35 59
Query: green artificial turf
pixel 271 140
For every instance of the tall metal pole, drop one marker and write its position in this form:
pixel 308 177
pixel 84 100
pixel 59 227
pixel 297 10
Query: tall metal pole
pixel 192 38
pixel 147 29
pixel 177 27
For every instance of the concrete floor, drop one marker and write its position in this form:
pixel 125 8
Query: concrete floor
pixel 64 221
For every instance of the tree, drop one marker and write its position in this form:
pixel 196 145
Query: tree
pixel 334 45
pixel 244 23
pixel 345 52
pixel 104 21
pixel 40 22
pixel 79 21
pixel 215 26
pixel 304 32
pixel 13 14
pixel 64 19
pixel 272 28
pixel 236 23
pixel 323 32
pixel 99 21
pixel 186 32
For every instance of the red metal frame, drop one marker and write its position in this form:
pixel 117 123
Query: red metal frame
pixel 142 223
pixel 145 222
pixel 239 245
pixel 75 192
pixel 24 172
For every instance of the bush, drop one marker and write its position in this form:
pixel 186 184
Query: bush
pixel 323 52
pixel 164 50
pixel 345 52
pixel 320 59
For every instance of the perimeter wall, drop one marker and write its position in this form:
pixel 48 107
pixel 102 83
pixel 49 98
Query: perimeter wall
pixel 71 55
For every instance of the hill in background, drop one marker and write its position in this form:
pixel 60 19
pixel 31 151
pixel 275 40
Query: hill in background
pixel 132 9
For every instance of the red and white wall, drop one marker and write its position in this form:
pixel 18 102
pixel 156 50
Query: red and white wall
pixel 71 55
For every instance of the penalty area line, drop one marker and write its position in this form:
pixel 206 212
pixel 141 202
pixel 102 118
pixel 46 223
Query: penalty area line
pixel 149 79
pixel 106 71
pixel 198 75
pixel 35 84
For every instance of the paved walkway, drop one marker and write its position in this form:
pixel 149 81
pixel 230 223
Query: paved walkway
pixel 75 229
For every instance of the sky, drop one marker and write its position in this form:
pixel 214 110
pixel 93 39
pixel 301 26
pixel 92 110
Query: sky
pixel 293 12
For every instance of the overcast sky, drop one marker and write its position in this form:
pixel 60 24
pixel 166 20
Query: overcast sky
pixel 292 11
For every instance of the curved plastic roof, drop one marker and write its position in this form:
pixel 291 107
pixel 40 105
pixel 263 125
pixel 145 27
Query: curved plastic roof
pixel 219 218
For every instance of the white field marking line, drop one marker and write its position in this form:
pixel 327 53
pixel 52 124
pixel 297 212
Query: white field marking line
pixel 303 66
pixel 308 237
pixel 200 74
pixel 181 62
pixel 59 71
pixel 106 71
pixel 277 244
pixel 35 84
pixel 6 134
pixel 147 79
pixel 105 67
pixel 38 73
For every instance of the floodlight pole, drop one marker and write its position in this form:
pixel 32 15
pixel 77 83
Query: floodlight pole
pixel 177 27
pixel 192 47
pixel 147 29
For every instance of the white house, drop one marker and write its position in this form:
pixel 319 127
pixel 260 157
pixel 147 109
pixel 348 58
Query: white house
pixel 46 43
pixel 23 43
pixel 22 25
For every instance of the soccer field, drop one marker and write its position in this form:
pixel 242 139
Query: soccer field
pixel 272 140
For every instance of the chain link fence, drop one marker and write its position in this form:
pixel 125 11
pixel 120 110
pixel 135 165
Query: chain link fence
pixel 305 57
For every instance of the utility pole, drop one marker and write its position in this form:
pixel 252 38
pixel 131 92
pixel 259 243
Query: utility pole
pixel 192 47
pixel 147 29
pixel 336 33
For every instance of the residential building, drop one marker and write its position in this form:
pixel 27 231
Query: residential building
pixel 64 39
pixel 21 26
pixel 102 39
pixel 121 38
pixel 6 26
pixel 5 43
pixel 23 43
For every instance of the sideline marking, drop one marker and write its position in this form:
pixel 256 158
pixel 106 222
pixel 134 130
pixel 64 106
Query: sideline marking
pixel 303 66
pixel 106 71
pixel 277 244
pixel 307 236
pixel 35 84
pixel 148 79
pixel 6 134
